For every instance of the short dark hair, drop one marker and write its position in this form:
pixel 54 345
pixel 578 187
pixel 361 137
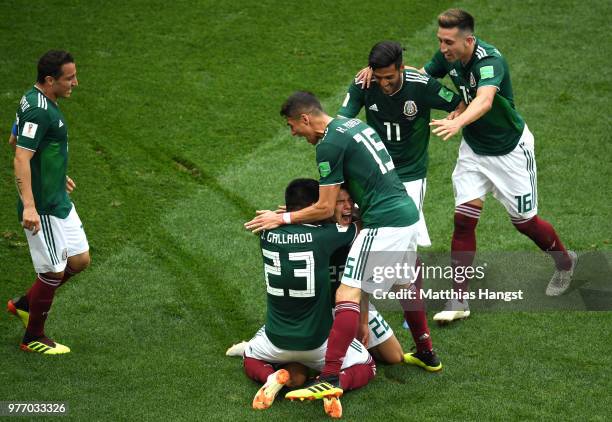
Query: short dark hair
pixel 50 64
pixel 301 102
pixel 456 18
pixel 386 53
pixel 301 193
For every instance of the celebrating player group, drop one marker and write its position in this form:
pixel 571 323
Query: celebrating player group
pixel 365 210
pixel 382 166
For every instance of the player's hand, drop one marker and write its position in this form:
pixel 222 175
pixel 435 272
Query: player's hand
pixel 31 220
pixel 281 209
pixel 70 185
pixel 456 112
pixel 364 334
pixel 452 115
pixel 265 220
pixel 364 76
pixel 445 128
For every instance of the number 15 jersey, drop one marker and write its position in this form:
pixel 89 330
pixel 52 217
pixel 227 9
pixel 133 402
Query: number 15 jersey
pixel 352 152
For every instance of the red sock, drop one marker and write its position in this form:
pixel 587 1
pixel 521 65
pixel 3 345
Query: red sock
pixel 415 316
pixel 544 235
pixel 40 298
pixel 257 370
pixel 357 376
pixel 68 274
pixel 343 331
pixel 463 245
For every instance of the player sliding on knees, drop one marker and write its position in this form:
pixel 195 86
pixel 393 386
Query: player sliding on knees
pixel 299 318
pixel 350 151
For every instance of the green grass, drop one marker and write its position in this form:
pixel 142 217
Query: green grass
pixel 175 139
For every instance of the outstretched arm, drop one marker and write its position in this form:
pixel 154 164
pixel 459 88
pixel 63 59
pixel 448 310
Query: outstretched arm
pixel 320 210
pixel 445 128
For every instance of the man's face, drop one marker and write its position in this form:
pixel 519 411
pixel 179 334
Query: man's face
pixel 455 44
pixel 389 78
pixel 62 86
pixel 300 126
pixel 343 213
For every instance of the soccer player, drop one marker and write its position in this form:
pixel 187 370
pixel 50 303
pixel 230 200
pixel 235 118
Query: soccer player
pixel 496 153
pixel 57 242
pixel 350 151
pixel 299 318
pixel 398 105
pixel 381 341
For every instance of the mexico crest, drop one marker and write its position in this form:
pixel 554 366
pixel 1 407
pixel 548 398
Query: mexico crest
pixel 410 109
pixel 472 80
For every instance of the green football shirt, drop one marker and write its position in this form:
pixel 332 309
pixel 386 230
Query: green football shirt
pixel 499 130
pixel 402 119
pixel 296 268
pixel 337 264
pixel 352 152
pixel 42 129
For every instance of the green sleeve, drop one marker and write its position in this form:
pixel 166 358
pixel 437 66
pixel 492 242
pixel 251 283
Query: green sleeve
pixel 33 125
pixel 436 66
pixel 330 163
pixel 353 101
pixel 440 97
pixel 490 72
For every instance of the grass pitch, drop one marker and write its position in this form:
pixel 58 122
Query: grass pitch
pixel 175 140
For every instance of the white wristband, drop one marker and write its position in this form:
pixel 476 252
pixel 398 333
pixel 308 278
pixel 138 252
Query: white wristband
pixel 287 217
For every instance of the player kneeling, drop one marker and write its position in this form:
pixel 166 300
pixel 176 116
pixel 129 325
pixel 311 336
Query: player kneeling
pixel 299 316
pixel 382 343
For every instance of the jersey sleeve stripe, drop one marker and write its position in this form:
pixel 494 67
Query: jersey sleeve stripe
pixel 413 76
pixel 331 184
pixel 480 52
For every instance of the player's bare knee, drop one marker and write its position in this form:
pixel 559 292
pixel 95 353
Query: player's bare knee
pixel 391 351
pixel 476 202
pixel 348 294
pixel 78 263
pixel 395 357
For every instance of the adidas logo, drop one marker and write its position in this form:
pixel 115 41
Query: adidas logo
pixel 373 107
pixel 61 123
pixel 453 72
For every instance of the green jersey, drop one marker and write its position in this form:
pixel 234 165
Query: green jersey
pixel 499 130
pixel 352 152
pixel 402 119
pixel 296 268
pixel 42 129
pixel 337 263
